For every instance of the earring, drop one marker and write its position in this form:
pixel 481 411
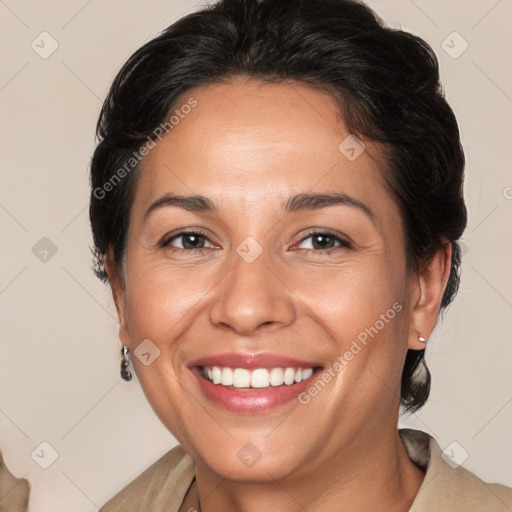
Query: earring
pixel 126 374
pixel 422 339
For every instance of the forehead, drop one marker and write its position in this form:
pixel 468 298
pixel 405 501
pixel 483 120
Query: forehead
pixel 251 142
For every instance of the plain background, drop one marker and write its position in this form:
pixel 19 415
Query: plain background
pixel 59 367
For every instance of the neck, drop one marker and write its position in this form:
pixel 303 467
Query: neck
pixel 370 474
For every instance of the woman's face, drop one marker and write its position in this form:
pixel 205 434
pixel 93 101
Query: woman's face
pixel 259 285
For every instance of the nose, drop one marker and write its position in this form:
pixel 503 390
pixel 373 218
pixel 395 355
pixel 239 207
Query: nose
pixel 252 297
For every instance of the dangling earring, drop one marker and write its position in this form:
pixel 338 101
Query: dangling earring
pixel 126 374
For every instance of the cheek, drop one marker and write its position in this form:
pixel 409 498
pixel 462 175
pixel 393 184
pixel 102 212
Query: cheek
pixel 161 305
pixel 360 310
pixel 160 299
pixel 352 297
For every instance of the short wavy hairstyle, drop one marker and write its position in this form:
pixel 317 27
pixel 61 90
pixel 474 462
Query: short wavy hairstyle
pixel 385 82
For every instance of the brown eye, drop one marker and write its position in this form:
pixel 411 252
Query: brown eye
pixel 188 241
pixel 320 241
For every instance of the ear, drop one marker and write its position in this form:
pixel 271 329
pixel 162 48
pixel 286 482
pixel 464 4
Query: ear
pixel 117 287
pixel 426 296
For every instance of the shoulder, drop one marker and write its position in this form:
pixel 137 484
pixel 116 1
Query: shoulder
pixel 161 487
pixel 14 492
pixel 447 485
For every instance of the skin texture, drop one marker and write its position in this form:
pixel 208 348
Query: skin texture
pixel 248 146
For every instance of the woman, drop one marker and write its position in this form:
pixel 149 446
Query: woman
pixel 276 201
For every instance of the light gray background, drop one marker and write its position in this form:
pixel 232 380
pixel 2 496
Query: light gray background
pixel 59 377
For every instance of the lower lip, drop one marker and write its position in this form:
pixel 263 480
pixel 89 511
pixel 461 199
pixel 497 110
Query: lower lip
pixel 254 400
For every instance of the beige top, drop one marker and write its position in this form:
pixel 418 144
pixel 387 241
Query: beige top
pixel 163 486
pixel 13 491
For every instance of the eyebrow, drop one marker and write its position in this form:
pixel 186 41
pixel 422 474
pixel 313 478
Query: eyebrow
pixel 296 203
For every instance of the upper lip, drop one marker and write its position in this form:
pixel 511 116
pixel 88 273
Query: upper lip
pixel 252 361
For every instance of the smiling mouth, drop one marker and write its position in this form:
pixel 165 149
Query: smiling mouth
pixel 244 379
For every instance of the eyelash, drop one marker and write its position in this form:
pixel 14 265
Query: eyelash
pixel 343 243
pixel 167 241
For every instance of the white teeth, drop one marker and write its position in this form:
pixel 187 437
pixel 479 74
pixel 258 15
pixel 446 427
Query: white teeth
pixel 241 378
pixel 216 375
pixel 307 373
pixel 276 377
pixel 260 378
pixel 227 377
pixel 257 378
pixel 289 376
